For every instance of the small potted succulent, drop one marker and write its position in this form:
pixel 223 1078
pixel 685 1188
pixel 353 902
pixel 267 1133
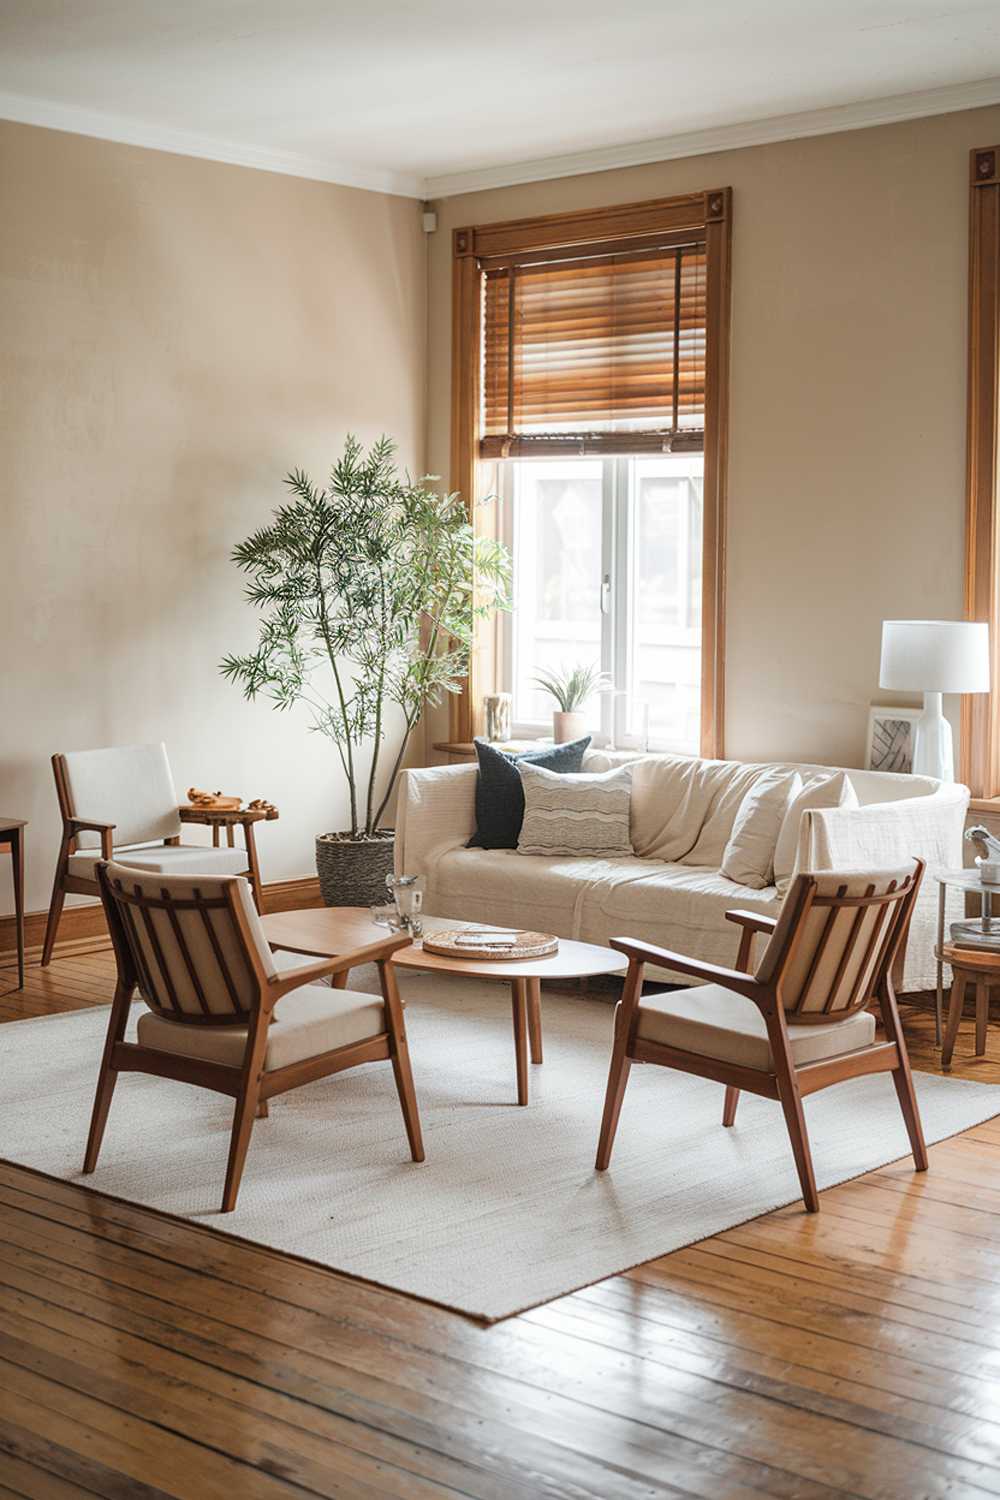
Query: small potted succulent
pixel 368 591
pixel 571 687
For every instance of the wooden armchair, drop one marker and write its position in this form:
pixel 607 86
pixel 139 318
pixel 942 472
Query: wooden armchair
pixel 112 800
pixel 800 1022
pixel 222 1017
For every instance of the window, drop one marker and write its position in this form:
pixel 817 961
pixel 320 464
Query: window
pixel 607 570
pixel 589 390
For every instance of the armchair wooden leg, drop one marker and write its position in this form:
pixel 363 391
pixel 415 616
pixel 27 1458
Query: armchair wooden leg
pixel 52 925
pixel 795 1120
pixel 903 1079
pixel 408 1099
pixel 621 1066
pixel 729 1104
pixel 954 1018
pixel 243 1118
pixel 262 1110
pixel 102 1103
pixel 107 1077
pixel 401 1060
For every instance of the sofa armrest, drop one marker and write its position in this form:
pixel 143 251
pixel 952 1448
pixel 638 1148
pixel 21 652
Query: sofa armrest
pixel 883 834
pixel 435 811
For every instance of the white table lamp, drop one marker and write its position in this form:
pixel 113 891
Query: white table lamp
pixel 934 657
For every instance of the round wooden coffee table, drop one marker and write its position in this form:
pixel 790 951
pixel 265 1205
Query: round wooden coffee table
pixel 326 932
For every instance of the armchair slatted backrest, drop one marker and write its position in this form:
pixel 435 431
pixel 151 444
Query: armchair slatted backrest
pixel 128 785
pixel 836 938
pixel 192 945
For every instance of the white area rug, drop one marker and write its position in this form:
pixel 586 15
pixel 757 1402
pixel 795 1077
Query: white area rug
pixel 507 1211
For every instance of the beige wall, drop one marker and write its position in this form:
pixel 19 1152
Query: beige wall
pixel 847 436
pixel 176 335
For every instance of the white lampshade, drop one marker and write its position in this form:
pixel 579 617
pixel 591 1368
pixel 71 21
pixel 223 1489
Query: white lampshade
pixel 935 656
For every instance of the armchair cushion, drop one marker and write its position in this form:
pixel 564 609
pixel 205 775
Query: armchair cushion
pixel 712 1021
pixel 305 1023
pixel 167 859
pixel 127 785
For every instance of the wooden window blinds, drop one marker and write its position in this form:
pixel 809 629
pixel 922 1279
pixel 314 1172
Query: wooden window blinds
pixel 595 352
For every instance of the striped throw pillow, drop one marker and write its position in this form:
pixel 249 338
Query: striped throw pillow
pixel 583 814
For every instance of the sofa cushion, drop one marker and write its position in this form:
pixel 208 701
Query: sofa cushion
pixel 715 1022
pixel 499 796
pixel 748 857
pixel 585 814
pixel 833 790
pixel 306 1022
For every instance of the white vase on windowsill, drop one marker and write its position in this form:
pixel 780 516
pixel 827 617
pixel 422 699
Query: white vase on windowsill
pixel 566 727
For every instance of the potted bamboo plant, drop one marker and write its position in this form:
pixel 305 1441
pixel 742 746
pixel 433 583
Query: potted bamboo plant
pixel 368 590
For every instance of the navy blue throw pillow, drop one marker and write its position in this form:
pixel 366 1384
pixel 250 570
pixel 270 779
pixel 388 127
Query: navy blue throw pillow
pixel 499 794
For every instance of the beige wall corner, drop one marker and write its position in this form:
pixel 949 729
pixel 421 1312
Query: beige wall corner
pixel 177 334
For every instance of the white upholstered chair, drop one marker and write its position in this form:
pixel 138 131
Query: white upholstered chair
pixel 798 1023
pixel 121 803
pixel 222 1015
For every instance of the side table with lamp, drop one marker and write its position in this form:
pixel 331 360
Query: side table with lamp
pixel 935 657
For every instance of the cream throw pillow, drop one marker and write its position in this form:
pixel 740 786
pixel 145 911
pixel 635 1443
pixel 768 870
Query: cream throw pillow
pixel 749 855
pixel 834 790
pixel 584 813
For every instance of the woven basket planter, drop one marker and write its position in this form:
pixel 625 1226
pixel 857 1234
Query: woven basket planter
pixel 352 871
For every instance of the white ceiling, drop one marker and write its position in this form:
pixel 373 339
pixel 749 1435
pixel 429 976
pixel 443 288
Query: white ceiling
pixel 428 97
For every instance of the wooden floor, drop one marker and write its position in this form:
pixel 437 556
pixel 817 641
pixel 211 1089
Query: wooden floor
pixel 856 1352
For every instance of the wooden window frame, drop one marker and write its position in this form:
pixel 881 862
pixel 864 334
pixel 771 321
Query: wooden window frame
pixel 708 214
pixel 980 758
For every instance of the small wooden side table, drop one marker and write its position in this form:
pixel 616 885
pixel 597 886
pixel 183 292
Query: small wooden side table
pixel 976 966
pixel 229 819
pixel 12 839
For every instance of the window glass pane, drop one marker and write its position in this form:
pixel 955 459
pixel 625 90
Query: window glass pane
pixel 665 608
pixel 556 621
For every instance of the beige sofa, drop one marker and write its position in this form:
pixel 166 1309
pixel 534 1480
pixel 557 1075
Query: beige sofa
pixel 671 892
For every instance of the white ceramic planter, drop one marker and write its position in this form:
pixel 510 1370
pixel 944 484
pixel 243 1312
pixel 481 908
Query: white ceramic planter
pixel 567 727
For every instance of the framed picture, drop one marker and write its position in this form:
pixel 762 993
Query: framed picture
pixel 890 739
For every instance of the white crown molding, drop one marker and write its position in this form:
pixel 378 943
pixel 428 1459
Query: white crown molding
pixel 107 127
pixel 869 112
pixel 859 116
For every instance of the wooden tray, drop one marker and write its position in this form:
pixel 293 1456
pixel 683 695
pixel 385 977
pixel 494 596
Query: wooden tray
pixel 525 945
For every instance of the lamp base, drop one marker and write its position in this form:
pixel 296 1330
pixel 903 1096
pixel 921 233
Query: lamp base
pixel 933 752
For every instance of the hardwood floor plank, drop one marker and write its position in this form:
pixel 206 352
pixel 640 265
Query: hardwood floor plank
pixel 37 1484
pixel 288 1420
pixel 358 1363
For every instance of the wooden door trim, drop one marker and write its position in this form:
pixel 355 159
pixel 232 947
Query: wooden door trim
pixel 980 752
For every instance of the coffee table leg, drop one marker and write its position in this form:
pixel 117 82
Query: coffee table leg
pixel 518 996
pixel 534 989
